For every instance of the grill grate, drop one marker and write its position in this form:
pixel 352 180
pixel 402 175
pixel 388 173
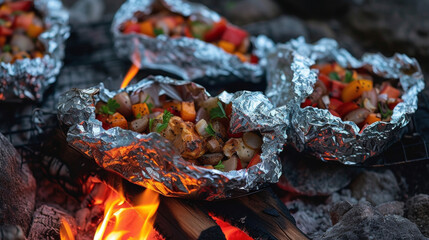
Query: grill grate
pixel 90 59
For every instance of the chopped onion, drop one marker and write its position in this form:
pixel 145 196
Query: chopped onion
pixel 382 97
pixel 326 101
pixel 201 128
pixel 252 140
pixel 368 105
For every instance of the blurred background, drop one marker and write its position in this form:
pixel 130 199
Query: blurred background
pixel 386 26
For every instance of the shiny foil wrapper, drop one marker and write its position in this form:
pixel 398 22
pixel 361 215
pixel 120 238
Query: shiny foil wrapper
pixel 187 58
pixel 317 131
pixel 29 78
pixel 151 161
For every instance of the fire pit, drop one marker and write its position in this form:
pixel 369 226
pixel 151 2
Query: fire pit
pixel 65 195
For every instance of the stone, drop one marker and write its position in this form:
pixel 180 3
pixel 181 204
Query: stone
pixel 363 221
pixel 417 210
pixel 280 29
pixel 17 188
pixel 11 232
pixel 391 208
pixel 375 187
pixel 47 222
pixel 312 177
pixel 338 209
pixel 255 11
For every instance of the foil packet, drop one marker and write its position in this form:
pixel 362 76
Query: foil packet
pixel 317 131
pixel 151 161
pixel 188 58
pixel 29 78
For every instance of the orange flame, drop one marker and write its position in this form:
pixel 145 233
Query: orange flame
pixel 134 69
pixel 230 232
pixel 122 221
pixel 65 230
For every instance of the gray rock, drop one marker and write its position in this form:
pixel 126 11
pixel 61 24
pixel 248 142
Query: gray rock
pixel 248 11
pixel 391 208
pixel 417 210
pixel 375 187
pixel 362 221
pixel 279 29
pixel 338 210
pixel 312 177
pixel 11 232
pixel 17 188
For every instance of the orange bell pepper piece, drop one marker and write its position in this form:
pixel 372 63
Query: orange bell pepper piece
pixel 146 28
pixel 355 89
pixel 226 46
pixel 255 160
pixel 175 107
pixel 140 110
pixel 117 120
pixel 34 31
pixel 372 118
pixel 390 91
pixel 188 111
pixel 37 54
pixel 241 56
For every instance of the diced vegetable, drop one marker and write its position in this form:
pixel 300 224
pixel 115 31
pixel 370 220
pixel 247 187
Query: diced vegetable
pixel 175 107
pixel 326 80
pixel 334 113
pixel 357 116
pixel 140 110
pixel 252 140
pixel 132 27
pixel 234 35
pixel 355 89
pixel 372 118
pixel 396 102
pixel 390 91
pixel 230 164
pixel 20 5
pixel 255 160
pixel 345 108
pixel 337 88
pixel 216 32
pixel 188 112
pixel 117 120
pixel 334 103
pixel 201 128
pixel 139 125
pixel 124 101
pixel 146 28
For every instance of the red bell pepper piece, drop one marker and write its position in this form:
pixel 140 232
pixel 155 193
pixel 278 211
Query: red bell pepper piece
pixel 23 21
pixel 334 113
pixel 326 80
pixel 157 110
pixel 234 35
pixel 393 105
pixel 228 109
pixel 390 91
pixel 255 160
pixel 188 32
pixel 234 135
pixel 216 32
pixel 337 88
pixel 334 103
pixel 346 108
pixel 239 166
pixel 4 31
pixel 20 5
pixel 308 102
pixel 254 59
pixel 103 119
pixel 132 27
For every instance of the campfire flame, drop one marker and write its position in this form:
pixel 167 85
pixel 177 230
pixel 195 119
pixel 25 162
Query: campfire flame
pixel 65 230
pixel 134 69
pixel 122 221
pixel 230 232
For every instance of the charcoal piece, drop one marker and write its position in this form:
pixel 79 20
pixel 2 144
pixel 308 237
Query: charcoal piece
pixel 312 177
pixel 338 209
pixel 11 232
pixel 47 223
pixel 417 210
pixel 375 187
pixel 391 208
pixel 16 182
pixel 363 221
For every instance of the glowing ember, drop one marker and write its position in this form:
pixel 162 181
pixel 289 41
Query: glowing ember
pixel 65 231
pixel 122 221
pixel 230 232
pixel 130 75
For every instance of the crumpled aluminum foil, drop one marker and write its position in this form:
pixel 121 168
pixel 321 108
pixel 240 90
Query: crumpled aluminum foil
pixel 29 78
pixel 318 132
pixel 187 58
pixel 151 161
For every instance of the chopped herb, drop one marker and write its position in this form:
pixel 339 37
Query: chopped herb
pixel 384 110
pixel 349 76
pixel 209 129
pixel 220 166
pixel 334 76
pixel 110 107
pixel 149 106
pixel 158 31
pixel 150 123
pixel 7 48
pixel 139 116
pixel 165 119
pixel 217 112
pixel 147 97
